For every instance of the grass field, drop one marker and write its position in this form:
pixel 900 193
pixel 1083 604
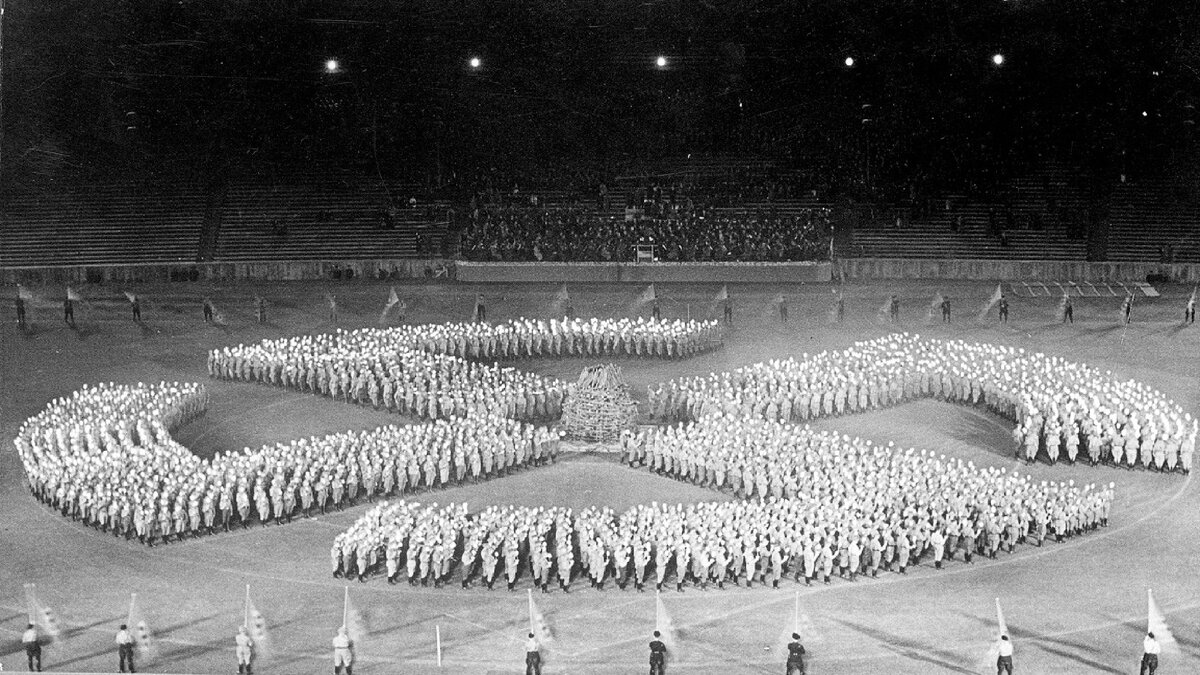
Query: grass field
pixel 1076 607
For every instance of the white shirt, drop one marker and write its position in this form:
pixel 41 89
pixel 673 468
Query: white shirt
pixel 1006 648
pixel 30 636
pixel 123 638
pixel 531 645
pixel 1150 645
pixel 341 642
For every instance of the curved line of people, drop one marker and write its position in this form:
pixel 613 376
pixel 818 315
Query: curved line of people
pixel 1063 410
pixel 105 456
pixel 809 504
pixel 378 367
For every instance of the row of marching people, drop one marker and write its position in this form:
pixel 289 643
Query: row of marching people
pixel 105 456
pixel 1062 409
pixel 810 505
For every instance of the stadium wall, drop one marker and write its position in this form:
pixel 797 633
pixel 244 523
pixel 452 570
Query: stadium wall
pixel 514 272
pixel 1016 270
pixel 257 271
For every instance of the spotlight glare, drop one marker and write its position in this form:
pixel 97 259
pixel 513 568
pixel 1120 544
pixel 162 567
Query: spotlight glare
pixel 475 62
pixel 661 62
pixel 331 66
pixel 998 59
pixel 849 61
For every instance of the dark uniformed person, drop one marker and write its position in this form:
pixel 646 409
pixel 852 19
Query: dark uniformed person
pixel 569 310
pixel 135 305
pixel 480 310
pixel 1068 310
pixel 69 311
pixel 124 642
pixel 20 312
pixel 1189 312
pixel 894 309
pixel 208 311
pixel 33 648
pixel 658 655
pixel 945 310
pixel 1127 309
pixel 795 659
pixel 533 656
pixel 260 309
pixel 841 308
pixel 783 310
pixel 656 311
pixel 1003 309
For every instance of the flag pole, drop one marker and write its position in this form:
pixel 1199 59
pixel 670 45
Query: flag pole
pixel 345 605
pixel 437 631
pixel 529 594
pixel 796 616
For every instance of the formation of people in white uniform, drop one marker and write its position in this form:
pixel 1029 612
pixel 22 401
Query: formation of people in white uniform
pixel 810 505
pixel 1063 410
pixel 105 456
pixel 381 368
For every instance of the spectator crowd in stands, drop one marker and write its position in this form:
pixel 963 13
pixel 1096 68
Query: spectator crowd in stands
pixel 552 234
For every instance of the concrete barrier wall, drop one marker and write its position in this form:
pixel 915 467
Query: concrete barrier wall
pixel 847 268
pixel 257 271
pixel 505 272
pixel 1028 270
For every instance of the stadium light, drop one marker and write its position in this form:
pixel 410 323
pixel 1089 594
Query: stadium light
pixel 331 66
pixel 475 62
pixel 849 62
pixel 998 59
pixel 661 62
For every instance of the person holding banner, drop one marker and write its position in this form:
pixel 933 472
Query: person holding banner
pixel 124 642
pixel 658 655
pixel 244 649
pixel 33 648
pixel 343 654
pixel 1150 652
pixel 795 659
pixel 533 656
pixel 1004 662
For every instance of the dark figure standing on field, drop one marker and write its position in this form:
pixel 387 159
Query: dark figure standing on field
pixel 135 306
pixel 728 312
pixel 1003 309
pixel 783 310
pixel 894 309
pixel 208 311
pixel 658 655
pixel 795 659
pixel 20 313
pixel 124 642
pixel 1126 309
pixel 1068 310
pixel 533 656
pixel 33 648
pixel 945 310
pixel 69 312
pixel 260 309
pixel 1189 312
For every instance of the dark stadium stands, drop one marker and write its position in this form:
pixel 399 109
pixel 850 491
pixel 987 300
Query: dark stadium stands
pixel 131 221
pixel 1155 220
pixel 314 217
